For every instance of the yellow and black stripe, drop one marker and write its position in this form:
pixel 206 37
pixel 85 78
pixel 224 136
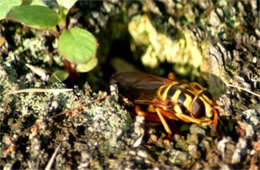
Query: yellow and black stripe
pixel 189 100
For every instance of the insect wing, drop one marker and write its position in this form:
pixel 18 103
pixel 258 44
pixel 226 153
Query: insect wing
pixel 139 86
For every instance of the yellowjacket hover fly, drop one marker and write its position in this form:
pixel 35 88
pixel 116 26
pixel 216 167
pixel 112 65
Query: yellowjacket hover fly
pixel 167 99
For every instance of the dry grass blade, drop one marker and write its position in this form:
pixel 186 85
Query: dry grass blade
pixel 244 89
pixel 36 90
pixel 48 167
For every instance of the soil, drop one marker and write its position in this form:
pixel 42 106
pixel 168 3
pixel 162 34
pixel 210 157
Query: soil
pixel 86 123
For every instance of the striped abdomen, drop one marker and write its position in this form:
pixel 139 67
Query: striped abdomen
pixel 187 99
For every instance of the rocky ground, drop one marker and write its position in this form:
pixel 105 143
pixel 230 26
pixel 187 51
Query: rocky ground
pixel 80 126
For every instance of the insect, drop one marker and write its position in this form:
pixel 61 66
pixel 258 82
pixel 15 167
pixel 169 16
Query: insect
pixel 167 98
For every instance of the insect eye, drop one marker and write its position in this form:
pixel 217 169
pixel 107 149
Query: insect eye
pixel 198 108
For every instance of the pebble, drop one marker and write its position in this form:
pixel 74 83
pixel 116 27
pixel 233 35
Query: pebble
pixel 251 116
pixel 239 151
pixel 114 92
pixel 195 129
pixel 142 153
pixel 222 145
pixel 139 131
pixel 193 151
pixel 194 138
pixel 249 131
pixel 181 158
pixel 225 166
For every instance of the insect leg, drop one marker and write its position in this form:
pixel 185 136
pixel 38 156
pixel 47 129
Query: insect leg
pixel 168 114
pixel 195 85
pixel 189 119
pixel 147 115
pixel 165 124
pixel 195 88
pixel 215 119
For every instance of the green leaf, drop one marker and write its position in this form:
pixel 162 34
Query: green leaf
pixel 86 67
pixel 35 16
pixel 59 76
pixel 77 45
pixel 66 3
pixel 6 5
pixel 34 2
pixel 184 127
